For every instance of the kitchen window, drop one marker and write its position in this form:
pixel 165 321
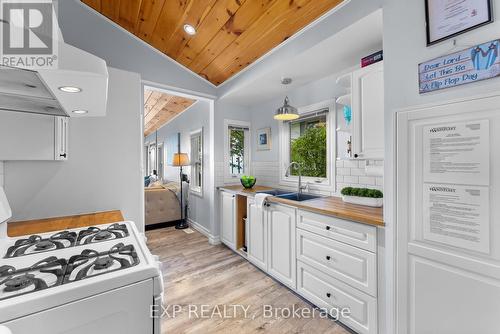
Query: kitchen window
pixel 237 152
pixel 309 140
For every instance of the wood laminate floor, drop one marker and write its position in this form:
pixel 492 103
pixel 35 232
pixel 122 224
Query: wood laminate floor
pixel 197 273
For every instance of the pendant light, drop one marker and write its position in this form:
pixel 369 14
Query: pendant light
pixel 286 112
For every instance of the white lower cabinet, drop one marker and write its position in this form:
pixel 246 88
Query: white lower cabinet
pixel 228 219
pixel 329 261
pixel 256 235
pixel 352 265
pixel 327 292
pixel 281 243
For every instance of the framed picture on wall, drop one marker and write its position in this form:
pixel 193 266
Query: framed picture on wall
pixel 264 139
pixel 449 18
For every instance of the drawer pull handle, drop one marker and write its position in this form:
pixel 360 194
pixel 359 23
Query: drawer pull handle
pixel 328 257
pixel 328 294
pixel 328 228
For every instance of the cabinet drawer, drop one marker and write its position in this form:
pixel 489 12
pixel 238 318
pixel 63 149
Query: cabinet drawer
pixel 355 234
pixel 349 264
pixel 326 292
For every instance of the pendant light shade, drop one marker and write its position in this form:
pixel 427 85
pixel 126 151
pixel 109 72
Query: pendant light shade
pixel 286 112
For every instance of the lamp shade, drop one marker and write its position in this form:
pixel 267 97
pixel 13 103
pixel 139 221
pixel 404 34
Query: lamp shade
pixel 180 159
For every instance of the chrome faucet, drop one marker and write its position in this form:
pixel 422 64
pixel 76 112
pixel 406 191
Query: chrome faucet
pixel 299 167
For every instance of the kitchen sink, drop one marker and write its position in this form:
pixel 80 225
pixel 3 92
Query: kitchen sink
pixel 274 192
pixel 299 197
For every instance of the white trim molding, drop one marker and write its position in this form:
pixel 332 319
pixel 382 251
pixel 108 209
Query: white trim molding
pixel 212 240
pixel 328 184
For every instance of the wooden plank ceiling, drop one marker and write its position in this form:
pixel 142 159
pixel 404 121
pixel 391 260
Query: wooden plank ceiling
pixel 231 34
pixel 159 108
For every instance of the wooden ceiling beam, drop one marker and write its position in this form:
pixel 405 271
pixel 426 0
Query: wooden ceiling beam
pixel 249 12
pixel 222 12
pixel 231 34
pixel 148 17
pixel 273 28
pixel 160 108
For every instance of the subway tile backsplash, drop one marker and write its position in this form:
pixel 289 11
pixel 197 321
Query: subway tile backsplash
pixel 350 173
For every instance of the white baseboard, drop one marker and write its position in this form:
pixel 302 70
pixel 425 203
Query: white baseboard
pixel 213 240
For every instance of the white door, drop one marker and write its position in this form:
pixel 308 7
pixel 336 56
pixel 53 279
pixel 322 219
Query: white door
pixel 368 112
pixel 228 219
pixel 256 235
pixel 281 244
pixel 448 251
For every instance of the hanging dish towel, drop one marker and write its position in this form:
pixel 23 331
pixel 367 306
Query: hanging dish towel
pixel 260 199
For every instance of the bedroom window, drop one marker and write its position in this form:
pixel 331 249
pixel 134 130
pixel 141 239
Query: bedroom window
pixel 196 182
pixel 236 156
pixel 309 140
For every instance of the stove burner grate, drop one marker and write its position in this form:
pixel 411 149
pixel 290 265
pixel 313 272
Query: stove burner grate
pixel 37 244
pixel 95 234
pixel 52 271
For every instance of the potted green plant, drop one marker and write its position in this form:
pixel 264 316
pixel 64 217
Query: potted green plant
pixel 363 196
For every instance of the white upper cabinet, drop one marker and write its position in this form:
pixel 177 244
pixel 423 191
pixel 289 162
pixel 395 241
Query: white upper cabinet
pixel 25 136
pixel 368 112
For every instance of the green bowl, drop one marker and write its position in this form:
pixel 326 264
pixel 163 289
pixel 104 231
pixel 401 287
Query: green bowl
pixel 248 181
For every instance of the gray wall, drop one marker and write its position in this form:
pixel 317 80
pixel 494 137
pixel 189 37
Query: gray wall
pixel 104 167
pixel 196 117
pixel 404 48
pixel 86 29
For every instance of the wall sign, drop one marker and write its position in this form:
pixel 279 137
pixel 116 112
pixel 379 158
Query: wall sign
pixel 475 64
pixel 448 18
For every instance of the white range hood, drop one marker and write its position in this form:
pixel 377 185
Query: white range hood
pixel 39 90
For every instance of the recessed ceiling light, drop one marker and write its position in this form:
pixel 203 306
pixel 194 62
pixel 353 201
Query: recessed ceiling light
pixel 70 89
pixel 189 29
pixel 80 111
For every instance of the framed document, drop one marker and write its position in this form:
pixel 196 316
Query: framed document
pixel 449 18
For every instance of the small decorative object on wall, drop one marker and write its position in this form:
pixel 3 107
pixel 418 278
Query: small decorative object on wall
pixel 448 18
pixel 347 115
pixel 478 63
pixel 372 59
pixel 363 196
pixel 264 139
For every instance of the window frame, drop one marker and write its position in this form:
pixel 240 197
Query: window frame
pixel 230 178
pixel 321 184
pixel 197 190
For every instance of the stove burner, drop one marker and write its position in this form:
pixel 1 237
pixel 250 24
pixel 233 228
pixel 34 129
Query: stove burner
pixel 41 275
pixel 103 235
pixel 44 245
pixel 6 270
pixel 37 244
pixel 91 263
pixel 103 263
pixel 94 234
pixel 19 282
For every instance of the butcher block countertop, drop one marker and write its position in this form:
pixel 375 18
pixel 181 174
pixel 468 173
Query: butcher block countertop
pixel 243 191
pixel 330 206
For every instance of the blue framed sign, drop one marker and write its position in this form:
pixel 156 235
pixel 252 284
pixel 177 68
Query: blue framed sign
pixel 478 63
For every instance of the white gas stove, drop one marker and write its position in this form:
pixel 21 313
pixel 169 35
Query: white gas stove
pixel 100 279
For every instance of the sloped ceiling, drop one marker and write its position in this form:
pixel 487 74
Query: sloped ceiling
pixel 160 108
pixel 231 34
